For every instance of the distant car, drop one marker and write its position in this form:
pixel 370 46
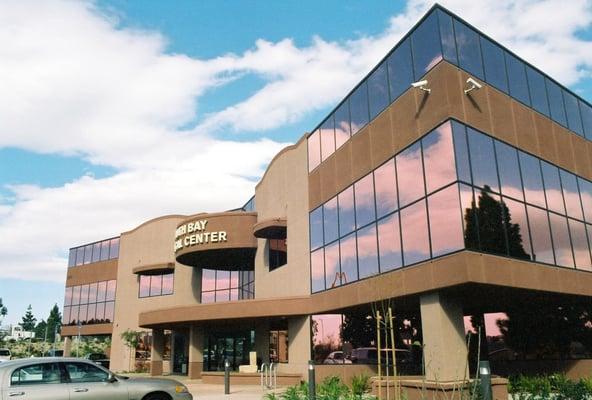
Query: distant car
pixel 98 358
pixel 336 357
pixel 5 355
pixel 54 353
pixel 75 378
pixel 369 355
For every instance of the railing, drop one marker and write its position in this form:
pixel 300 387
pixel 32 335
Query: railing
pixel 268 376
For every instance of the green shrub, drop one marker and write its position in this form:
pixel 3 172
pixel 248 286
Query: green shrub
pixel 360 384
pixel 332 389
pixel 555 386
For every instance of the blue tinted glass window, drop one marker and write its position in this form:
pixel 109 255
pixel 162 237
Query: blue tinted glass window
pixel 447 36
pixel 410 175
pixel 482 160
pixel 358 105
pixel 494 65
pixel 538 92
pixel 438 157
pixel 461 152
pixel 347 218
pixel 586 111
pixel 389 243
pixel 540 235
pixel 342 125
pixel 532 180
pixel 561 242
pixel 425 43
pixel 572 110
pixel 378 91
pixel 446 231
pixel 552 187
pixel 316 228
pixel 332 270
pixel 414 228
pixel 364 195
pixel 317 270
pixel 400 69
pixel 516 225
pixel 586 195
pixel 330 220
pixel 349 259
pixel 327 132
pixel 367 251
pixel 517 79
pixel 469 52
pixel 571 194
pixel 556 102
pixel 385 184
pixel 509 171
pixel 580 245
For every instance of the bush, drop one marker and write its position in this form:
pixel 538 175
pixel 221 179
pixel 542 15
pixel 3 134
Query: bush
pixel 360 385
pixel 555 386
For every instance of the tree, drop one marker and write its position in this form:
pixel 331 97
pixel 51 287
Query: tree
pixel 29 320
pixel 131 339
pixel 40 330
pixel 3 309
pixel 54 323
pixel 489 227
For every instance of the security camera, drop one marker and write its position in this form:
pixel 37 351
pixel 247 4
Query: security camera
pixel 474 85
pixel 421 85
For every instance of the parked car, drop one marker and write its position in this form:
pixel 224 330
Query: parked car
pixel 75 378
pixel 369 355
pixel 54 353
pixel 5 355
pixel 336 357
pixel 98 358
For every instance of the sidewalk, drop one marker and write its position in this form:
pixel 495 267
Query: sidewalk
pixel 203 391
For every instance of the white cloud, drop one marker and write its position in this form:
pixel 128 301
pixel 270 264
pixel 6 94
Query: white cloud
pixel 74 82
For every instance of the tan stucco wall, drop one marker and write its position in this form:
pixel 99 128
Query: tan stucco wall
pixel 149 244
pixel 283 193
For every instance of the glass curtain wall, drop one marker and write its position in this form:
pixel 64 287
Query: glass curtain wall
pixel 92 303
pixel 217 285
pixel 455 188
pixel 442 36
pixel 107 249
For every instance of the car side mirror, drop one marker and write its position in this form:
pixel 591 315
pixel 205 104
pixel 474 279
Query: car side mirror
pixel 111 378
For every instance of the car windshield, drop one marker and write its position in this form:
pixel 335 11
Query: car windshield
pixel 4 353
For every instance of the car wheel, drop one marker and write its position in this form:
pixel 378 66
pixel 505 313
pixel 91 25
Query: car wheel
pixel 157 396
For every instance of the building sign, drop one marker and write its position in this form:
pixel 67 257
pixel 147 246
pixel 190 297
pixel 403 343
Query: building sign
pixel 196 234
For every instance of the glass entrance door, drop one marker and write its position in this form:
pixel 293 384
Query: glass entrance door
pixel 180 353
pixel 233 346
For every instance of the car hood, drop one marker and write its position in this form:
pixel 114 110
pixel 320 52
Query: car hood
pixel 153 381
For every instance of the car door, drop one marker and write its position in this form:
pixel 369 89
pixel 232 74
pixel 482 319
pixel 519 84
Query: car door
pixel 89 382
pixel 37 381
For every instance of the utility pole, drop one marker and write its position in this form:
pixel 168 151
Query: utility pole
pixel 78 345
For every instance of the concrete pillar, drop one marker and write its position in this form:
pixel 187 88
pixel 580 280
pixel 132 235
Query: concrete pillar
pixel 299 343
pixel 445 351
pixel 262 341
pixel 157 352
pixel 67 346
pixel 196 349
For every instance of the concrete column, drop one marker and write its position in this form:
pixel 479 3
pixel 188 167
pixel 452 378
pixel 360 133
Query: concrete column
pixel 196 349
pixel 299 342
pixel 262 341
pixel 445 351
pixel 67 346
pixel 157 352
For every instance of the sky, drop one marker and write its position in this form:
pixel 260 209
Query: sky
pixel 114 112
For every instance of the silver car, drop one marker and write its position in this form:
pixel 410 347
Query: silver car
pixel 75 378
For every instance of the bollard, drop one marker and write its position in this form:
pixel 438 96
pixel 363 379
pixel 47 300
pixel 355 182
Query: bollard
pixel 485 380
pixel 312 390
pixel 226 376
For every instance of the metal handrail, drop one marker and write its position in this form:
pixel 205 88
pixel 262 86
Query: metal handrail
pixel 273 375
pixel 263 375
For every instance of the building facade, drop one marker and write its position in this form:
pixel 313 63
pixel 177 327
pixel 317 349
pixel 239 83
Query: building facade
pixel 463 203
